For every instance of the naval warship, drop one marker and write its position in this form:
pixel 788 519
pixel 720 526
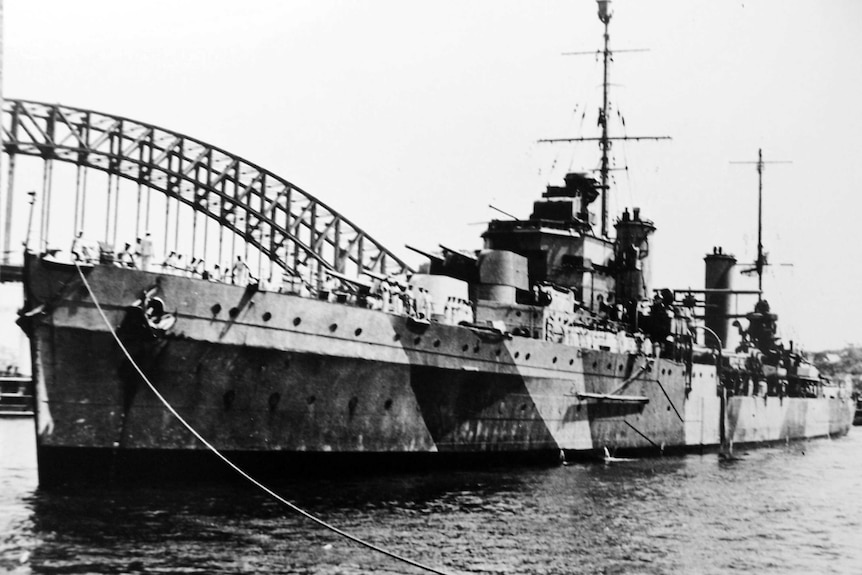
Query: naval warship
pixel 550 343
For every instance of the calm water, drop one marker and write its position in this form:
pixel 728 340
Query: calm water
pixel 793 509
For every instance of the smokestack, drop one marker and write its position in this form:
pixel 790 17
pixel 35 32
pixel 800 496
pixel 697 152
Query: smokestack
pixel 719 275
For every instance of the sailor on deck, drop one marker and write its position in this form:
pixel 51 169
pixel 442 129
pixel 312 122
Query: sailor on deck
pixel 136 254
pixel 79 250
pixel 386 295
pixel 239 273
pixel 146 252
pixel 125 257
pixel 330 286
pixel 169 263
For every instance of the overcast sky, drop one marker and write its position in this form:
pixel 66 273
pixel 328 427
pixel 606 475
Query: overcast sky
pixel 410 118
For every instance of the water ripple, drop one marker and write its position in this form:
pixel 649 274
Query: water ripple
pixel 791 509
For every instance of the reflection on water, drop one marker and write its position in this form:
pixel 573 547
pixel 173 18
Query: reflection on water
pixel 790 509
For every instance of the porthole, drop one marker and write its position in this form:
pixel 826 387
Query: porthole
pixel 297 321
pixel 417 340
pixel 498 352
pixel 216 308
pixel 396 337
pixel 267 316
pixel 274 398
pixel 436 343
pixel 517 353
pixel 571 362
pixel 387 405
pixel 333 327
pixel 310 400
pixel 357 332
pixel 234 311
pixel 526 357
pixel 595 364
pixel 554 360
pixel 476 348
pixel 620 367
pixel 465 347
pixel 610 366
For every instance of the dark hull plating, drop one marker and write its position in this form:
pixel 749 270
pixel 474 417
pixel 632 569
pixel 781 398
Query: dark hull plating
pixel 285 384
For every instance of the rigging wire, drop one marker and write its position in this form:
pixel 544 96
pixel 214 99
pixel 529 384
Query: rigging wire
pixel 625 154
pixel 293 507
pixel 548 172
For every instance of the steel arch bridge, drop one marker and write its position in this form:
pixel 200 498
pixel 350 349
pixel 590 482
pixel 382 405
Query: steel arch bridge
pixel 279 222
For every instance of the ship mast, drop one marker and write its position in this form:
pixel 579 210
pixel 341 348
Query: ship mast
pixel 760 262
pixel 604 143
pixel 604 140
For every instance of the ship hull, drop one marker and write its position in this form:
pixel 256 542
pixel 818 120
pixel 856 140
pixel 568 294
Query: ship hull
pixel 284 384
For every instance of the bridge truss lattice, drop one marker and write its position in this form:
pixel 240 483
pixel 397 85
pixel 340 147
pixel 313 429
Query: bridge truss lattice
pixel 178 187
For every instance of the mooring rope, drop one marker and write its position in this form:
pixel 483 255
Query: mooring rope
pixel 293 507
pixel 669 400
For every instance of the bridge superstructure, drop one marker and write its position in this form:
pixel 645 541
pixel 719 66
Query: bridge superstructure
pixel 124 179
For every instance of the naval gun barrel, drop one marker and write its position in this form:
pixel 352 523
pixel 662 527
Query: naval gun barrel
pixel 431 257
